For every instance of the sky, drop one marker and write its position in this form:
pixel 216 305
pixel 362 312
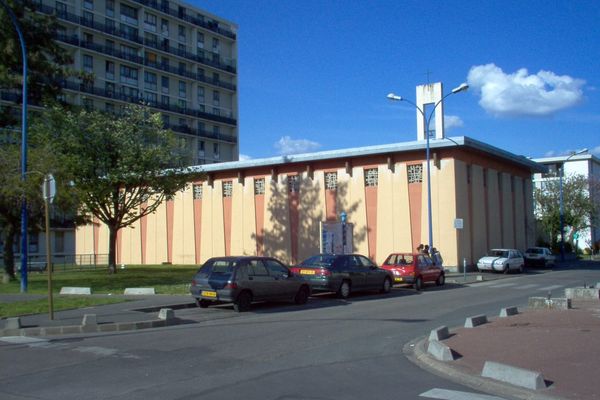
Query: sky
pixel 314 74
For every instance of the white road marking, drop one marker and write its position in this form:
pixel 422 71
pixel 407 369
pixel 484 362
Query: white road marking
pixel 501 285
pixel 524 287
pixel 443 394
pixel 550 287
pixel 22 340
pixel 99 351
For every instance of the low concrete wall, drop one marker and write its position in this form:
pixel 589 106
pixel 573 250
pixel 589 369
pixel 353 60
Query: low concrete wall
pixel 582 293
pixel 553 304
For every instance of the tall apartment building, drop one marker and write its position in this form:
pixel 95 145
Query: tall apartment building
pixel 178 59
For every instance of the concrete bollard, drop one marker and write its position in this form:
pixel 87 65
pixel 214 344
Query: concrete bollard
pixel 89 319
pixel 508 311
pixel 440 351
pixel 440 333
pixel 13 323
pixel 476 320
pixel 166 314
pixel 513 375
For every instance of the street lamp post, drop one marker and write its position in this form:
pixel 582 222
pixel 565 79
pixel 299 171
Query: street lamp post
pixel 463 87
pixel 15 23
pixel 562 215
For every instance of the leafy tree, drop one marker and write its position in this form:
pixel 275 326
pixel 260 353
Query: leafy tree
pixel 579 209
pixel 122 166
pixel 48 63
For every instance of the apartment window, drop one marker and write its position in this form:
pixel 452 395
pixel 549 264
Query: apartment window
pixel 331 180
pixel 109 108
pixel 88 104
pixel 59 242
pixel 166 120
pixel 182 89
pixel 150 80
pixel 200 74
pixel 216 130
pixel 201 126
pixel 183 122
pixel 180 12
pixel 88 4
pixel 61 8
pixel 129 32
pixel 128 14
pixel 227 189
pixel 88 63
pixel 151 39
pixel 200 95
pixel 109 87
pixel 131 93
pixel 129 51
pixel 259 186
pixel 88 38
pixel 216 153
pixel 197 191
pixel 150 22
pixel 200 148
pixel 110 25
pixel 371 177
pixel 415 173
pixel 181 33
pixel 129 75
pixel 151 58
pixel 215 45
pixel 109 70
pixel 216 98
pixel 88 18
pixel 165 84
pixel 182 68
pixel 181 49
pixel 182 104
pixel 293 182
pixel 164 27
pixel 110 46
pixel 110 8
pixel 200 40
pixel 164 100
pixel 216 77
pixel 151 98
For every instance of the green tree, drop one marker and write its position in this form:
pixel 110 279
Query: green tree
pixel 48 63
pixel 579 209
pixel 123 167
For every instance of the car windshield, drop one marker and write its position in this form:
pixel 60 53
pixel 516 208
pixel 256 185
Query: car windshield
pixel 322 260
pixel 220 269
pixel 534 251
pixel 499 253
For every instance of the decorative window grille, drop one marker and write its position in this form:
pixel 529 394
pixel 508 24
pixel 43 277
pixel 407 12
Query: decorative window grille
pixel 293 183
pixel 259 186
pixel 331 180
pixel 415 173
pixel 371 177
pixel 197 190
pixel 227 189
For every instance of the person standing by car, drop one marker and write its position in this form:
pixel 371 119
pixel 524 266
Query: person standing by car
pixel 437 257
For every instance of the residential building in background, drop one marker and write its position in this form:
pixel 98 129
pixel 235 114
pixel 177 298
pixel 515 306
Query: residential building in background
pixel 586 165
pixel 177 58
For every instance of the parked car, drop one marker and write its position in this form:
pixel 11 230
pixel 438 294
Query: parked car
pixel 540 256
pixel 414 269
pixel 502 260
pixel 343 273
pixel 242 280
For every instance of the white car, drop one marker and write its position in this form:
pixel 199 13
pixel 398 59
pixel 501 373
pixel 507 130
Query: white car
pixel 541 256
pixel 502 260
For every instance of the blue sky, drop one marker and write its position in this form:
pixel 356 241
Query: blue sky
pixel 314 74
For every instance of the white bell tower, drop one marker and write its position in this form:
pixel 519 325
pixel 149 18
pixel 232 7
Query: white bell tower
pixel 427 97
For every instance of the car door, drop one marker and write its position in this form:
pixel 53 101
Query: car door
pixel 283 285
pixel 357 271
pixel 373 275
pixel 259 280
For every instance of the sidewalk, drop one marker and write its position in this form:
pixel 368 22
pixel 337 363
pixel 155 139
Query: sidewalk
pixel 563 345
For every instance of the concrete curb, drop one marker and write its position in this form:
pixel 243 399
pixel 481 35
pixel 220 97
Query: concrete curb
pixel 415 351
pixel 75 290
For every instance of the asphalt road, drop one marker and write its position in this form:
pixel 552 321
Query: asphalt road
pixel 328 349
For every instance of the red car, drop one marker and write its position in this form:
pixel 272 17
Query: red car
pixel 414 269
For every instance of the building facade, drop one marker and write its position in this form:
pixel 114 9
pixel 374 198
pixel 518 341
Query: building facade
pixel 586 165
pixel 275 206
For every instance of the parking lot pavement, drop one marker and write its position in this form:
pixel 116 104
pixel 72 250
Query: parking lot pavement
pixel 562 345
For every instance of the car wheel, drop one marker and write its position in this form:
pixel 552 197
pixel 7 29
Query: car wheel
pixel 387 285
pixel 344 290
pixel 302 295
pixel 243 302
pixel 441 280
pixel 418 284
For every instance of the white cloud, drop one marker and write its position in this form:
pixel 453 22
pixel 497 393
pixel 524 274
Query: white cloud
pixel 453 121
pixel 524 94
pixel 244 157
pixel 287 145
pixel 595 151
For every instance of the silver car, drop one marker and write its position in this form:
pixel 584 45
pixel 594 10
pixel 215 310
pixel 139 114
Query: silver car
pixel 541 256
pixel 502 260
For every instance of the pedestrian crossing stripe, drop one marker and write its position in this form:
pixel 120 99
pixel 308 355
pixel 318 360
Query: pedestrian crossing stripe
pixel 523 287
pixel 444 394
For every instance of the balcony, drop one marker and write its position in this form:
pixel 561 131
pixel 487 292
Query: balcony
pixel 199 58
pixel 212 26
pixel 113 94
pixel 75 41
pixel 202 133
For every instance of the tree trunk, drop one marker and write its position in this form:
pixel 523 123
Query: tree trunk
pixel 112 250
pixel 9 255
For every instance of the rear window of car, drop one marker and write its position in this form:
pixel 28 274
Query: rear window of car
pixel 535 251
pixel 399 259
pixel 499 253
pixel 320 261
pixel 220 269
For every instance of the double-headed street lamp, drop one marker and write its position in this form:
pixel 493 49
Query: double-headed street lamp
pixel 562 214
pixel 463 87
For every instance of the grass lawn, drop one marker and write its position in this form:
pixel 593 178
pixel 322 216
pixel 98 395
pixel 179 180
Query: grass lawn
pixel 165 279
pixel 40 306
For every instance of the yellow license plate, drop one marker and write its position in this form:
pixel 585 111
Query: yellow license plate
pixel 208 293
pixel 398 279
pixel 307 271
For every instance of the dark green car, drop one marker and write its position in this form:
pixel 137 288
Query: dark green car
pixel 343 273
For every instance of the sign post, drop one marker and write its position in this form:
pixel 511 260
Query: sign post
pixel 458 225
pixel 48 192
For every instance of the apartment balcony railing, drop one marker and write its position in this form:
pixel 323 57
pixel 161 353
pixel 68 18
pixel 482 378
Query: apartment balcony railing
pixel 212 26
pixel 74 40
pixel 114 94
pixel 202 133
pixel 202 58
